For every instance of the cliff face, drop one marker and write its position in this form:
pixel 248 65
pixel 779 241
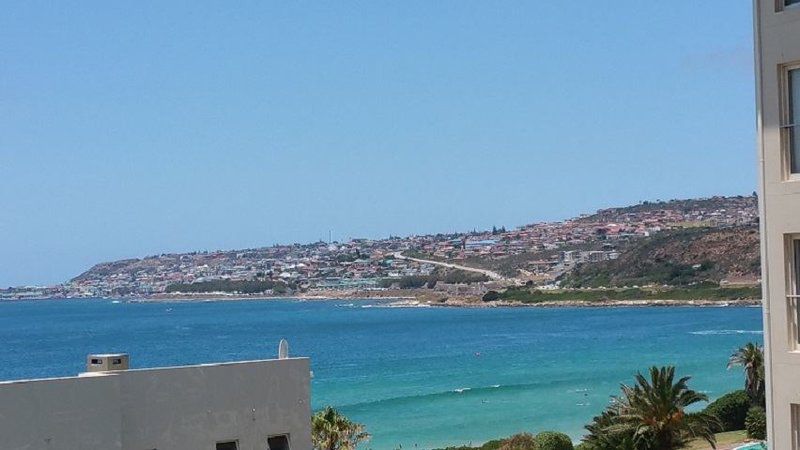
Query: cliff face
pixel 678 258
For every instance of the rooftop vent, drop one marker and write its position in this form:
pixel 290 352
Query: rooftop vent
pixel 107 362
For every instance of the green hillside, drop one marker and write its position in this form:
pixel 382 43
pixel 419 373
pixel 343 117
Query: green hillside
pixel 676 258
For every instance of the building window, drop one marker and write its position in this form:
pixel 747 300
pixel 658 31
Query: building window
pixel 280 442
pixel 793 294
pixel 790 122
pixel 228 445
pixel 795 427
pixel 780 5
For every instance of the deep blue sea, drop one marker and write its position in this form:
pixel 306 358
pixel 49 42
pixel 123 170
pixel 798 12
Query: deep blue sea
pixel 413 376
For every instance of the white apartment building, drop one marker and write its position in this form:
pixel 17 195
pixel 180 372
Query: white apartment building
pixel 252 405
pixel 777 49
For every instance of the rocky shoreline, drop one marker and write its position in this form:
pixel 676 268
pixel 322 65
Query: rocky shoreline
pixel 422 298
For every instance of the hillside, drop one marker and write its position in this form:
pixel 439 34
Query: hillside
pixel 615 229
pixel 699 207
pixel 677 257
pixel 673 242
pixel 105 269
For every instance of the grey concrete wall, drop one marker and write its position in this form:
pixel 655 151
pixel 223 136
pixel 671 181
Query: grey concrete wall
pixel 65 413
pixel 179 408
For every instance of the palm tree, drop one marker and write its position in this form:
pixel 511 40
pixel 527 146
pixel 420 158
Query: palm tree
pixel 607 433
pixel 751 358
pixel 651 415
pixel 331 430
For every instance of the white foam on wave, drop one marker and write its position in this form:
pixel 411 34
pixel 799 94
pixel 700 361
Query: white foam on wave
pixel 724 332
pixel 400 304
pixel 465 389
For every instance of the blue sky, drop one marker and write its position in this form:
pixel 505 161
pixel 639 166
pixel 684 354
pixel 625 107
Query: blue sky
pixel 135 129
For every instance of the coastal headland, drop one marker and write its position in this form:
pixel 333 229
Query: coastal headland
pixel 697 251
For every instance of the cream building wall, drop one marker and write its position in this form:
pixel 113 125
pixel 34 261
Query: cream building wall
pixel 777 44
pixel 180 408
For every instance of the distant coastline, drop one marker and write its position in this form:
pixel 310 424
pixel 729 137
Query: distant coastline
pixel 421 297
pixel 621 252
pixel 410 298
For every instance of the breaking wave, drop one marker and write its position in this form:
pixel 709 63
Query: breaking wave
pixel 458 391
pixel 724 332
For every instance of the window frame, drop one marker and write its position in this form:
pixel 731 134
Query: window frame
pixel 780 6
pixel 789 127
pixel 279 435
pixel 793 291
pixel 235 443
pixel 794 418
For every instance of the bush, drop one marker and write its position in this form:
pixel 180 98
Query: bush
pixel 491 296
pixel 731 410
pixel 494 444
pixel 522 441
pixel 552 440
pixel 491 445
pixel 756 423
pixel 458 276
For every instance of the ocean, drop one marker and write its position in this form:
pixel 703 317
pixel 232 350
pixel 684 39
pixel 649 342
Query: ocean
pixel 416 377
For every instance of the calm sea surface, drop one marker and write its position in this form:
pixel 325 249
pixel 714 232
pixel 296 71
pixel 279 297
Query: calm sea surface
pixel 424 376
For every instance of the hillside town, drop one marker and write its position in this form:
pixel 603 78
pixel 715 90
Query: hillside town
pixel 540 252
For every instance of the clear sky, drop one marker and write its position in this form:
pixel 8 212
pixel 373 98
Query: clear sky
pixel 130 129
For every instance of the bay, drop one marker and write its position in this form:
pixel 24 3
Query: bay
pixel 416 377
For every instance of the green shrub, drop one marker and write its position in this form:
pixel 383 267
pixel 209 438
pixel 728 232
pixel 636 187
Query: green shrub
pixel 756 423
pixel 491 296
pixel 490 445
pixel 522 441
pixel 731 410
pixel 494 444
pixel 552 440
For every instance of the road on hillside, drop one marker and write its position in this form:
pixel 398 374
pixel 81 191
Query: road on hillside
pixel 493 275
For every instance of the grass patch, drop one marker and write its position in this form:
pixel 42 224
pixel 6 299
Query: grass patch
pixel 726 439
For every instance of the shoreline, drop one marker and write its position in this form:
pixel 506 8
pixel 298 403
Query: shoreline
pixel 412 298
pixel 420 298
pixel 432 299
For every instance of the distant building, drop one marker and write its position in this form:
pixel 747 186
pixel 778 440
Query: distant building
pixel 777 45
pixel 248 405
pixel 479 244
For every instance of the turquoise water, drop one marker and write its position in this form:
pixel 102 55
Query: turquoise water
pixel 424 376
